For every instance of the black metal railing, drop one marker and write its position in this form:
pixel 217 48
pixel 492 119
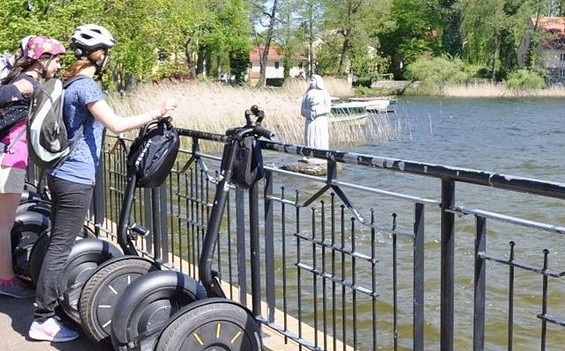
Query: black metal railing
pixel 377 254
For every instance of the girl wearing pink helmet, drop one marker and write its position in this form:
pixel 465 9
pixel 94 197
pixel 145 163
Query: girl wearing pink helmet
pixel 41 60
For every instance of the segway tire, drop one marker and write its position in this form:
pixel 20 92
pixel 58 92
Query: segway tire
pixel 147 304
pixel 101 291
pixel 39 249
pixel 28 227
pixel 211 324
pixel 84 259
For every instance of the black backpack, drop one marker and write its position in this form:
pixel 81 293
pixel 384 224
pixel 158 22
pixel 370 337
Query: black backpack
pixel 47 138
pixel 248 164
pixel 13 112
pixel 153 153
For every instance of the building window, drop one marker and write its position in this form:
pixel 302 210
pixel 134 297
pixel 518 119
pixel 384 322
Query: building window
pixel 277 64
pixel 562 57
pixel 562 73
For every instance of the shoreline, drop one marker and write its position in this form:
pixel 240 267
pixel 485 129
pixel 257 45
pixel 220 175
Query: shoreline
pixel 474 90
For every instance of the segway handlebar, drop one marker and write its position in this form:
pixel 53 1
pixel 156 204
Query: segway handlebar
pixel 260 131
pixel 138 229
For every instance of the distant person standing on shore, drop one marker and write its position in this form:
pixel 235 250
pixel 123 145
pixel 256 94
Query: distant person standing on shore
pixel 316 105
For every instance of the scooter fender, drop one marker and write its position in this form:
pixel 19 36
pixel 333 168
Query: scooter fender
pixel 145 285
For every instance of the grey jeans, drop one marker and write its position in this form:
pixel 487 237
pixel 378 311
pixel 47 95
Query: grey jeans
pixel 70 204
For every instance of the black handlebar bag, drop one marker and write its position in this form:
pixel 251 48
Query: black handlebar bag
pixel 248 163
pixel 153 153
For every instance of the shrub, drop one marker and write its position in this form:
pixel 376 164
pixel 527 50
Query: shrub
pixel 434 73
pixel 524 79
pixel 364 81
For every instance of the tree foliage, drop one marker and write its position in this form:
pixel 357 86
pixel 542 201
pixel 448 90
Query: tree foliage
pixel 180 30
pixel 363 38
pixel 435 73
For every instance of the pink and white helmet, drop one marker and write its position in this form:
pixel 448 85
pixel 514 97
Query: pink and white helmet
pixel 40 45
pixel 24 41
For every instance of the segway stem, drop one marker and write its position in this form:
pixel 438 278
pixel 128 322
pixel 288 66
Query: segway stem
pixel 211 284
pixel 207 277
pixel 124 241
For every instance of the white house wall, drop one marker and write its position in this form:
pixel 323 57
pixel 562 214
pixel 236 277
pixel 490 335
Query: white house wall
pixel 555 59
pixel 271 71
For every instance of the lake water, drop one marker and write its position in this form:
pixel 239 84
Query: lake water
pixel 514 136
pixel 520 136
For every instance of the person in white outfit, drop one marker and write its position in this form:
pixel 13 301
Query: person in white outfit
pixel 316 106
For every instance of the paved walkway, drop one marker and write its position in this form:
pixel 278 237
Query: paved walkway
pixel 15 318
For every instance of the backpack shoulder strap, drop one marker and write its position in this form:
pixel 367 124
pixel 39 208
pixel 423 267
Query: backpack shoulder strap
pixel 7 147
pixel 79 132
pixel 73 79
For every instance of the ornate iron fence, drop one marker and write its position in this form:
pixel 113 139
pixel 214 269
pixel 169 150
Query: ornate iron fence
pixel 377 255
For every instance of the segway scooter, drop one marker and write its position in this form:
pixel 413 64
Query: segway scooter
pixel 102 289
pixel 32 219
pixel 86 257
pixel 211 322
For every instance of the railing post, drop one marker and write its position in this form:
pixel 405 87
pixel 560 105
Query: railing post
pixel 254 247
pixel 98 197
pixel 419 278
pixel 480 286
pixel 269 245
pixel 447 263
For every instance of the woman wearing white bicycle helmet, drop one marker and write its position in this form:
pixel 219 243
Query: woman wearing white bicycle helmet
pixel 71 182
pixel 40 60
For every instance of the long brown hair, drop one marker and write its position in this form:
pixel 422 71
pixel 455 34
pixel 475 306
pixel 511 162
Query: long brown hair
pixel 19 67
pixel 83 62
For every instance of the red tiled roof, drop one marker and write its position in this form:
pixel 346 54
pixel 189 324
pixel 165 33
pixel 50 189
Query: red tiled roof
pixel 273 54
pixel 555 26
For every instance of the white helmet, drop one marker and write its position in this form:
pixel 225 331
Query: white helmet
pixel 90 37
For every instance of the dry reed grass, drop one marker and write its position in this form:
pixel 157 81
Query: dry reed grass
pixel 214 107
pixel 500 90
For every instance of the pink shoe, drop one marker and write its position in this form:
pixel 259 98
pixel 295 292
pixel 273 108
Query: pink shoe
pixel 15 288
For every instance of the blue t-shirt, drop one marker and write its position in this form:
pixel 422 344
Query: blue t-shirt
pixel 80 166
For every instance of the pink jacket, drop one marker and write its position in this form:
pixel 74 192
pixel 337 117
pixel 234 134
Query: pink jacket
pixel 17 156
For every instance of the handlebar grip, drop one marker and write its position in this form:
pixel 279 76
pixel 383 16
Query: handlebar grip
pixel 138 229
pixel 263 132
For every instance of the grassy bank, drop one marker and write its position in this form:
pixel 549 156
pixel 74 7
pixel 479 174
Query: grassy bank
pixel 214 107
pixel 500 90
pixel 484 89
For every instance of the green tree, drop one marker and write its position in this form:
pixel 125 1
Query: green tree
pixel 451 18
pixel 292 33
pixel 415 32
pixel 264 15
pixel 493 29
